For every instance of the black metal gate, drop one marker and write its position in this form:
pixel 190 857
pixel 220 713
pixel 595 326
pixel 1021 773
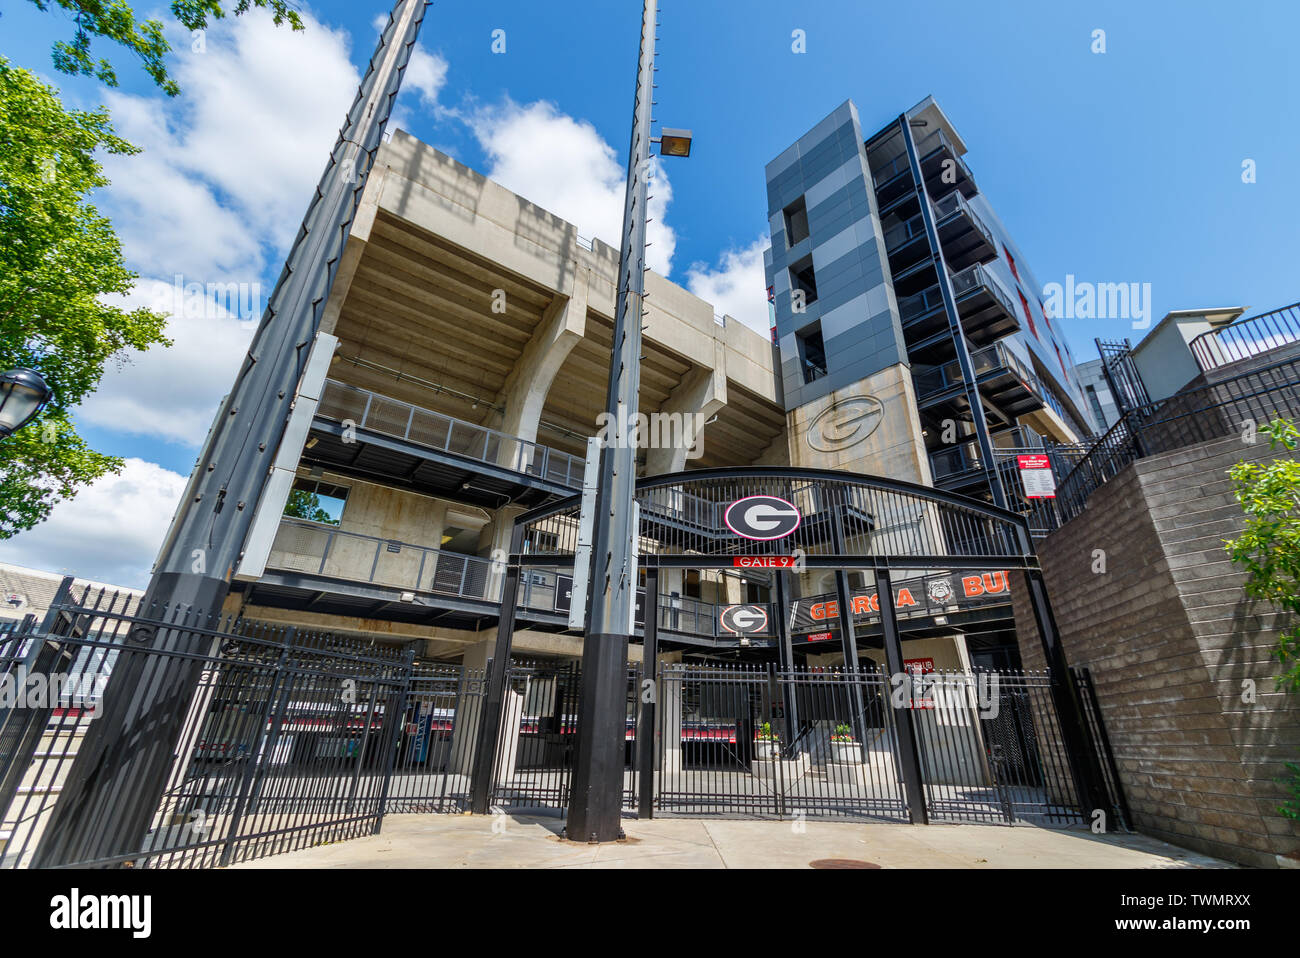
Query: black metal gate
pixel 755 742
pixel 533 761
pixel 436 740
pixel 289 738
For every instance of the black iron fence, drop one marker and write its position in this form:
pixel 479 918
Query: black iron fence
pixel 533 763
pixel 288 740
pixel 755 741
pixel 1218 410
pixel 1247 337
pixel 293 739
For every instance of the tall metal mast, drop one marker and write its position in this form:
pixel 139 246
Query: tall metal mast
pixel 597 794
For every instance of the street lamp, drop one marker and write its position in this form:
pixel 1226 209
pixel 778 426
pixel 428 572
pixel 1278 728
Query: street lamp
pixel 22 394
pixel 673 142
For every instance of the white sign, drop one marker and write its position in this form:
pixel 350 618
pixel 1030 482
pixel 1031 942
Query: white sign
pixel 1036 477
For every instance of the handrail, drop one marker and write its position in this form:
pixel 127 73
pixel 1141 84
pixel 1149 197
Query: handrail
pixel 319 549
pixel 1244 338
pixel 425 427
pixel 1215 411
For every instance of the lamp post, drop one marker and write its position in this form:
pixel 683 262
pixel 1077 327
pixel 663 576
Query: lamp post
pixel 596 798
pixel 23 393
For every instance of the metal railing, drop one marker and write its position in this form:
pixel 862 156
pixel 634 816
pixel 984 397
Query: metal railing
pixel 983 361
pixel 955 203
pixel 317 549
pixel 1199 415
pixel 904 232
pixel 424 427
pixel 924 147
pixel 1247 337
pixel 973 277
pixel 958 459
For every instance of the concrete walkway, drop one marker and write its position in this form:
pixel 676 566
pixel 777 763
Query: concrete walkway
pixel 516 841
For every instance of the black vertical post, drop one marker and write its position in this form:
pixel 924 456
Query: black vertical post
pixel 489 729
pixel 955 327
pixel 395 716
pixel 785 659
pixel 848 639
pixel 649 697
pixel 1088 777
pixel 596 801
pixel 909 758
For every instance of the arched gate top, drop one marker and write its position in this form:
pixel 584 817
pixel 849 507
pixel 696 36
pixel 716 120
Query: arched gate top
pixel 779 514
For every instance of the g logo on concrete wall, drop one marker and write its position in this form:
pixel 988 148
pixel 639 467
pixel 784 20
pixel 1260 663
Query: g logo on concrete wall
pixel 762 518
pixel 743 619
pixel 845 423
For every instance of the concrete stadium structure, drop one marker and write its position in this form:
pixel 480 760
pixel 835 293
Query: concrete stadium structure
pixel 462 365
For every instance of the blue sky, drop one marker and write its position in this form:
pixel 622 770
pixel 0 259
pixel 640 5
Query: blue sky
pixel 1116 167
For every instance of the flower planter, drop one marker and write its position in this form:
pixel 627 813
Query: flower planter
pixel 846 753
pixel 766 750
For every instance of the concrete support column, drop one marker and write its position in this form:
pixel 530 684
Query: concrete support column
pixel 697 398
pixel 670 711
pixel 495 540
pixel 525 390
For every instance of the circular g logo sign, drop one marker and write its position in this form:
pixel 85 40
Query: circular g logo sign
pixel 744 619
pixel 845 423
pixel 762 518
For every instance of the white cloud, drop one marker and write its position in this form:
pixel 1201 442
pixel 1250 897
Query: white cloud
pixel 227 171
pixel 229 165
pixel 173 393
pixel 110 532
pixel 425 77
pixel 564 166
pixel 738 287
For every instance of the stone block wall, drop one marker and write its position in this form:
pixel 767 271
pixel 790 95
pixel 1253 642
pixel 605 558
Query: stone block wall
pixel 1171 637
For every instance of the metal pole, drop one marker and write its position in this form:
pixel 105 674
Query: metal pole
pixel 645 731
pixel 1088 777
pixel 597 797
pixel 785 658
pixel 489 730
pixel 908 756
pixel 954 321
pixel 848 639
pixel 148 696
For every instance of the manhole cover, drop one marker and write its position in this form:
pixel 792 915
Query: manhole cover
pixel 841 863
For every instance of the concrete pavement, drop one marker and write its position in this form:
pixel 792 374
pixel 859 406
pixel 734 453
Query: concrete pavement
pixel 517 841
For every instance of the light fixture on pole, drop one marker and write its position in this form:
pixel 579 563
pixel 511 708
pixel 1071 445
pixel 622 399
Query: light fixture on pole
pixel 673 142
pixel 22 395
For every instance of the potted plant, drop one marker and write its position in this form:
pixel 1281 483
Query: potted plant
pixel 844 747
pixel 768 741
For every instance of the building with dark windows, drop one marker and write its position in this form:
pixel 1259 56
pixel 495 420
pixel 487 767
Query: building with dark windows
pixel 895 286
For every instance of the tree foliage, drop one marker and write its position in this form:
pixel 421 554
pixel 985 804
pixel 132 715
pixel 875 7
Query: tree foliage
pixel 1269 547
pixel 1269 550
pixel 115 20
pixel 59 258
pixel 304 504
